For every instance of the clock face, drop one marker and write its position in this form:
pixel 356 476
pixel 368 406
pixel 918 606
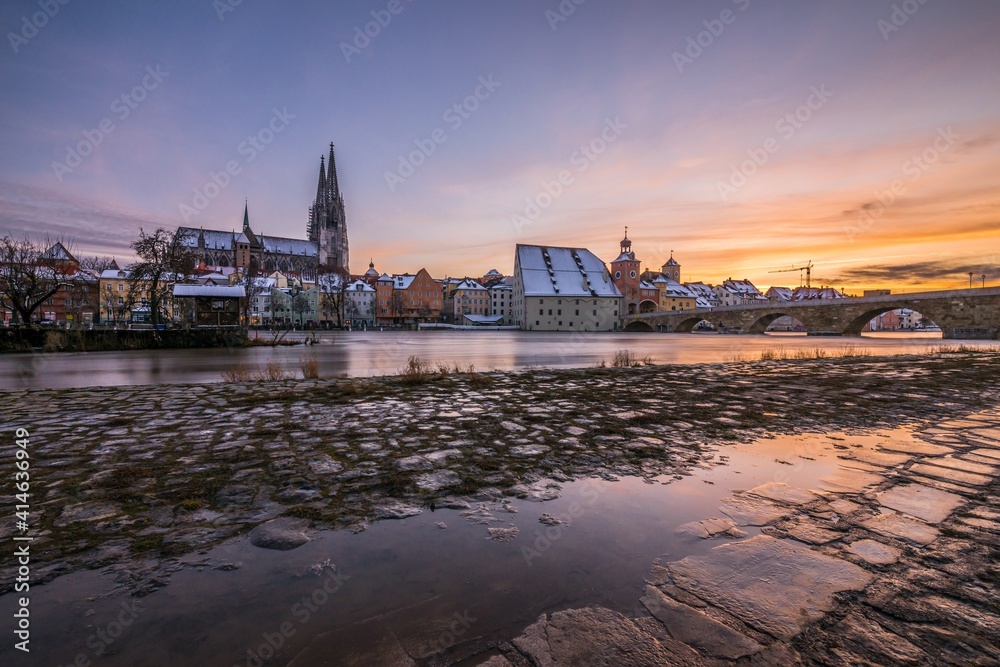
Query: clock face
pixel 632 275
pixel 618 274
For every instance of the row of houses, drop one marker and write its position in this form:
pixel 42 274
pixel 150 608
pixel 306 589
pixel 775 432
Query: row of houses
pixel 551 289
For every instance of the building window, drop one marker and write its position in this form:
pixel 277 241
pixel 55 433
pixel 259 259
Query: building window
pixel 121 287
pixel 578 310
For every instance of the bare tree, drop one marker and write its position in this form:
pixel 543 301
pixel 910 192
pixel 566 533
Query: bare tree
pixel 300 303
pixel 26 281
pixel 253 286
pixel 397 305
pixel 332 287
pixel 164 260
pixel 97 264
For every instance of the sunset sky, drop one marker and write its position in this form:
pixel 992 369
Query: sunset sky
pixel 744 135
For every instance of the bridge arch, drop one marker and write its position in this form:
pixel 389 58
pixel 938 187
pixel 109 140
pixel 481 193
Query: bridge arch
pixel 858 324
pixel 761 324
pixel 648 306
pixel 638 325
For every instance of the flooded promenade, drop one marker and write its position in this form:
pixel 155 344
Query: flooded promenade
pixel 825 511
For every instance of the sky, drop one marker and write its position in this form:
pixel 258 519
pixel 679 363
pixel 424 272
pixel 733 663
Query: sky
pixel 744 136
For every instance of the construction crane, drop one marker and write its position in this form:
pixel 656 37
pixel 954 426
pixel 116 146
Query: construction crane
pixel 807 268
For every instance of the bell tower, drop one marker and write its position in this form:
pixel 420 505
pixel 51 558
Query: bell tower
pixel 625 274
pixel 672 269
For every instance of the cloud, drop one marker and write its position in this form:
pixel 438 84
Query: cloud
pixel 92 227
pixel 921 272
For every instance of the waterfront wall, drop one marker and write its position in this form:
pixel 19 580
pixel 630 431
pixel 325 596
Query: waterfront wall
pixel 62 340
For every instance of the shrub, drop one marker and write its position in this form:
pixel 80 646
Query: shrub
pixel 273 372
pixel 241 373
pixel 309 367
pixel 416 371
pixel 628 359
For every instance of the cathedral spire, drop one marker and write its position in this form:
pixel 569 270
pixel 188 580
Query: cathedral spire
pixel 332 177
pixel 321 186
pixel 246 215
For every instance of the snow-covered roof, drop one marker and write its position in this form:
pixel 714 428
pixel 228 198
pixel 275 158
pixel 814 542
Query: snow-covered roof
pixel 58 252
pixel 671 262
pixel 360 286
pixel 702 302
pixel 219 240
pixel 501 286
pixel 228 291
pixel 493 273
pixel 740 287
pixel 484 319
pixel 385 277
pixel 114 274
pixel 470 285
pixel 810 293
pixel 402 282
pixel 282 246
pixel 675 289
pixel 702 290
pixel 626 257
pixel 645 284
pixel 779 294
pixel 569 272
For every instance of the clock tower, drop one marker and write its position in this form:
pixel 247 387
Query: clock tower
pixel 625 274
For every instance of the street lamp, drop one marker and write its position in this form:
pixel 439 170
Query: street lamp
pixel 970 279
pixel 984 281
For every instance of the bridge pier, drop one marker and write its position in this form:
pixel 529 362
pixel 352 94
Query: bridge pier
pixel 960 333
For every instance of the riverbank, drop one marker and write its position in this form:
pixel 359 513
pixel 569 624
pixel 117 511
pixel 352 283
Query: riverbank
pixel 52 340
pixel 133 478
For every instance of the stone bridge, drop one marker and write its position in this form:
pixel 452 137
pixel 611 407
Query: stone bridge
pixel 967 313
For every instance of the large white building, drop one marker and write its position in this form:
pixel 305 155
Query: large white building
pixel 563 289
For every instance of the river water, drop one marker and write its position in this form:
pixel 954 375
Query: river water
pixel 435 593
pixel 382 353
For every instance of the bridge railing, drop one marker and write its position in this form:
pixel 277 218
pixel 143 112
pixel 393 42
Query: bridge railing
pixel 847 300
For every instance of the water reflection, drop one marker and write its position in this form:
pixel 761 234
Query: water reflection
pixel 379 353
pixel 403 585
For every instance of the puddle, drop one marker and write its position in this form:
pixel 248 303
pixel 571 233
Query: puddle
pixel 412 587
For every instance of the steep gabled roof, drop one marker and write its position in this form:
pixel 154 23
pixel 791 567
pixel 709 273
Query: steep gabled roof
pixel 569 272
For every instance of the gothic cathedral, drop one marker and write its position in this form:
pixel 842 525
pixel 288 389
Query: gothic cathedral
pixel 327 221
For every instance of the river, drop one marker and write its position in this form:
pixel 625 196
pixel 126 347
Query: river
pixel 362 354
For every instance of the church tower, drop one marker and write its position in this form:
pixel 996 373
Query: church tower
pixel 672 269
pixel 625 274
pixel 327 220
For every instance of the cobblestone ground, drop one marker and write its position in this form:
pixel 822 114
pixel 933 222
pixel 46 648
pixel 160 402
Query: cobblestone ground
pixel 899 570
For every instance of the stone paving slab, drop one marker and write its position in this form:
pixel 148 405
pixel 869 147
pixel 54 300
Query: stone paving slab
pixel 773 585
pixel 923 502
pixel 903 527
